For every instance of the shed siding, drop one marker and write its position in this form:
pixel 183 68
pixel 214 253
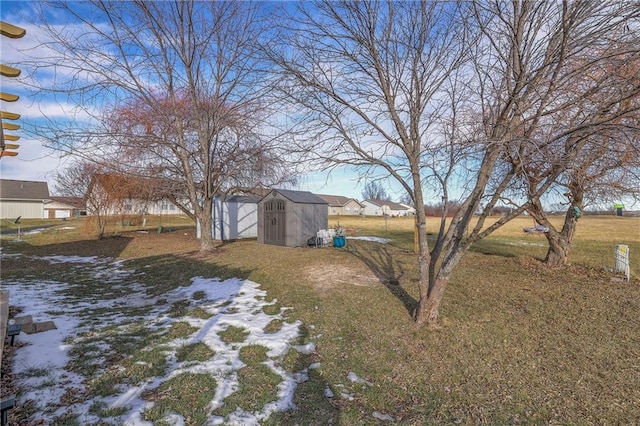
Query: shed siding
pixel 303 220
pixel 232 221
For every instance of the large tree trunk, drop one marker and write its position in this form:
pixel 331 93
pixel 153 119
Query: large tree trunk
pixel 424 256
pixel 431 309
pixel 558 251
pixel 205 219
pixel 560 243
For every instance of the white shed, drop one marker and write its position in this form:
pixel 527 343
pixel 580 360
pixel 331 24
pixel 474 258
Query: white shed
pixel 234 217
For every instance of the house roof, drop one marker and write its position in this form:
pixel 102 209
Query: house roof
pixel 337 200
pixel 23 190
pixel 75 202
pixel 301 197
pixel 391 204
pixel 132 187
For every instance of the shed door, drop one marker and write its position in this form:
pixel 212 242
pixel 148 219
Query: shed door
pixel 274 222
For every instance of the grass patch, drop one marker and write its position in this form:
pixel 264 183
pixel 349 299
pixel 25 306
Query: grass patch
pixel 199 295
pixel 101 409
pixel 274 326
pixel 233 334
pixel 181 329
pixel 145 364
pixel 36 372
pixel 187 394
pixel 294 361
pixel 179 308
pixel 273 309
pixel 198 312
pixel 195 352
pixel 253 354
pixel 258 385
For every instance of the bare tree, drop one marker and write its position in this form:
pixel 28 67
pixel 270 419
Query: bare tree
pixel 523 66
pixel 373 190
pixel 73 180
pixel 369 76
pixel 592 146
pixel 406 87
pixel 190 70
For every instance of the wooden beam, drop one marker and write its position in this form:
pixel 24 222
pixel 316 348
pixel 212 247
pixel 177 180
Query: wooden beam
pixel 8 97
pixel 10 126
pixel 8 71
pixel 9 115
pixel 11 31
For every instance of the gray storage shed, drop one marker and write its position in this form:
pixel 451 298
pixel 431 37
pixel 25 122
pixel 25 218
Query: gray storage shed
pixel 289 218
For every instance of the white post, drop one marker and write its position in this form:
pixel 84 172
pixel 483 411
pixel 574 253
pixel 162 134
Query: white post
pixel 622 260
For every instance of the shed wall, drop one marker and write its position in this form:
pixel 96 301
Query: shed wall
pixel 304 221
pixel 232 221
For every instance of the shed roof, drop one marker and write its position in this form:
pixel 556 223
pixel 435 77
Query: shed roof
pixel 23 190
pixel 300 197
pixel 239 198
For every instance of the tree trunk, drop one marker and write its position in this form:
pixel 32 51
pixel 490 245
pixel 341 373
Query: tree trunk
pixel 205 219
pixel 431 305
pixel 560 244
pixel 558 252
pixel 423 283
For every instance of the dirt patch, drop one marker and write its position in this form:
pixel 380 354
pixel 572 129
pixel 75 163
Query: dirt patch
pixel 326 277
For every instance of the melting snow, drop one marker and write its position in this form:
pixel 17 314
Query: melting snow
pixel 49 352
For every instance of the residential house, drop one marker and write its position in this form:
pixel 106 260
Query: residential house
pixel 111 194
pixel 342 206
pixel 64 207
pixel 22 198
pixel 386 208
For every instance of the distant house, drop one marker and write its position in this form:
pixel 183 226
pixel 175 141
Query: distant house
pixel 290 218
pixel 111 194
pixel 233 217
pixel 64 207
pixel 386 208
pixel 410 210
pixel 342 206
pixel 22 198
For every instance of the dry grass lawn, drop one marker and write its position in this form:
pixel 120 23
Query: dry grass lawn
pixel 519 343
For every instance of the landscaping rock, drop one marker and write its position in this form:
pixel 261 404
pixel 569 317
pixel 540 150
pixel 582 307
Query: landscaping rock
pixel 23 320
pixel 44 326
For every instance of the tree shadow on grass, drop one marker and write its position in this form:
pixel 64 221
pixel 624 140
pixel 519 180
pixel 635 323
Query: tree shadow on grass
pixel 380 259
pixel 105 247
